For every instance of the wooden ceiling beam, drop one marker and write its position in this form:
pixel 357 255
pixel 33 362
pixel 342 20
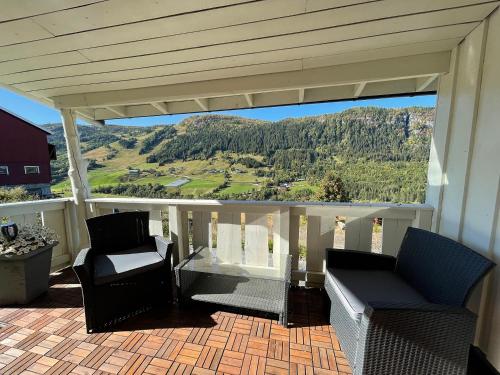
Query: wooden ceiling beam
pixel 358 89
pixel 202 103
pixel 161 107
pixel 422 83
pixel 354 73
pixel 118 110
pixel 395 87
pixel 302 93
pixel 249 99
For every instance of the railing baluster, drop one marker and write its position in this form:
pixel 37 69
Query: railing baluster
pixel 294 243
pixel 281 234
pixel 358 233
pixel 155 223
pixel 393 231
pixel 229 237
pixel 320 235
pixel 55 220
pixel 26 219
pixel 201 228
pixel 256 240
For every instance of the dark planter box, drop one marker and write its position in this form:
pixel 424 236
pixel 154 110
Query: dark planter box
pixel 24 277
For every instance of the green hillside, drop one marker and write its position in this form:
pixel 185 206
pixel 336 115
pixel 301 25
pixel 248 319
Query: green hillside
pixel 379 154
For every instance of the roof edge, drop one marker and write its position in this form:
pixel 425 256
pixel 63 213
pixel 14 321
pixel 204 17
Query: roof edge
pixel 24 119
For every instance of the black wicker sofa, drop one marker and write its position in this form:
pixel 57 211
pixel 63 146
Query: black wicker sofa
pixel 405 315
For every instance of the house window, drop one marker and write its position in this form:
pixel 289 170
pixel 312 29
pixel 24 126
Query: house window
pixel 31 169
pixel 4 169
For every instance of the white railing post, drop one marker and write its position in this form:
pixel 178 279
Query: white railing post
pixel 178 228
pixel 321 223
pixel 201 229
pixel 55 220
pixel 358 233
pixel 423 219
pixel 229 237
pixel 393 231
pixel 155 223
pixel 320 235
pixel 294 245
pixel 281 234
pixel 256 239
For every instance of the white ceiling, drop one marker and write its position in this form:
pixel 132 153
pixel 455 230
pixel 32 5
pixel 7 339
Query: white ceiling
pixel 127 58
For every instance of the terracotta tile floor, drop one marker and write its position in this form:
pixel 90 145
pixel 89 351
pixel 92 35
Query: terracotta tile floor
pixel 49 337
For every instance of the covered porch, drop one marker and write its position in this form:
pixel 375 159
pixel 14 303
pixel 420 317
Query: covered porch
pixel 100 60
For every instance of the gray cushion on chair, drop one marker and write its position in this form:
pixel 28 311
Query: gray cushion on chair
pixel 357 287
pixel 121 265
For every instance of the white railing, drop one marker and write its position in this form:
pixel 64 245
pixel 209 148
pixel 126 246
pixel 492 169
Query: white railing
pixel 293 227
pixel 56 214
pixel 234 227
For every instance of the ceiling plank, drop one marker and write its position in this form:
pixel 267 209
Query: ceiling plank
pixel 216 19
pixel 153 28
pixel 320 61
pixel 17 9
pixel 161 107
pixel 389 46
pixel 380 70
pixel 291 26
pixel 116 12
pixel 154 53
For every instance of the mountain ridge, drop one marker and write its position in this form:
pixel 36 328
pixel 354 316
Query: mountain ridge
pixel 366 145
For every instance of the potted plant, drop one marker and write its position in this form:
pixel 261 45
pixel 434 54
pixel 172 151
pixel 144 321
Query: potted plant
pixel 25 256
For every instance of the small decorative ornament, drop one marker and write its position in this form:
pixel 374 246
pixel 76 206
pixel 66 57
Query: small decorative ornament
pixel 9 231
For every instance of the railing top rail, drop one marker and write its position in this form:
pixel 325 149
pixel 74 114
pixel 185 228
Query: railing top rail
pixel 42 202
pixel 30 207
pixel 220 203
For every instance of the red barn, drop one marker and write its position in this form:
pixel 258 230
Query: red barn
pixel 25 154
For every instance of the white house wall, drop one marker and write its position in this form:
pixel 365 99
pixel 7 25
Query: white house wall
pixel 464 168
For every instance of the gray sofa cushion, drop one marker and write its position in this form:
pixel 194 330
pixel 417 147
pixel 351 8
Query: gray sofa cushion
pixel 357 287
pixel 121 265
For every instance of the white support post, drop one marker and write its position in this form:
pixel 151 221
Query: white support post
pixel 77 173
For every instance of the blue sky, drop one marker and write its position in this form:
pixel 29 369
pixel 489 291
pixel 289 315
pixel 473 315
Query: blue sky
pixel 41 114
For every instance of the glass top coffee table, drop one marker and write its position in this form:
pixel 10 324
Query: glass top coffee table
pixel 203 277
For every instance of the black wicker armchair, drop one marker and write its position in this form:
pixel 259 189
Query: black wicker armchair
pixel 405 315
pixel 125 271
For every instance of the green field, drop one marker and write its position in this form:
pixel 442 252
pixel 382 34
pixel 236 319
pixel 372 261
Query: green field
pixel 204 175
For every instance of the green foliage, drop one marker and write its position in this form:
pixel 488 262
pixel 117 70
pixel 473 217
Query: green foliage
pixel 17 194
pixel 296 161
pixel 378 154
pixel 376 133
pixel 250 162
pixel 332 189
pixel 166 132
pixel 91 137
pixel 127 143
pixel 141 191
pixel 93 164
